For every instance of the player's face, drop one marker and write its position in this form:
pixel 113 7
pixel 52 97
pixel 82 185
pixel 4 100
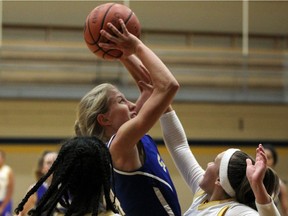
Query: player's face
pixel 120 110
pixel 270 159
pixel 48 161
pixel 211 175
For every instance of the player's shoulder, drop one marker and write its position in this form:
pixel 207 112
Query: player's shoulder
pixel 240 209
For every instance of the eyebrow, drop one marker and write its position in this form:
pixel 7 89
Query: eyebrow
pixel 119 96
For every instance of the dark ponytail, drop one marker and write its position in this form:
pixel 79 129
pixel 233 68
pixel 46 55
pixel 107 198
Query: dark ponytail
pixel 239 182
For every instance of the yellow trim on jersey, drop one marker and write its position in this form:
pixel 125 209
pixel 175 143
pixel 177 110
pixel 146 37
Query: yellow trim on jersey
pixel 223 211
pixel 198 194
pixel 207 204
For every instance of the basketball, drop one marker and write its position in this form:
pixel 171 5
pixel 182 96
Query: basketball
pixel 98 18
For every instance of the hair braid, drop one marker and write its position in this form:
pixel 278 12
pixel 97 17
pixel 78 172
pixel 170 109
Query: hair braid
pixel 35 188
pixel 81 173
pixel 53 189
pixel 107 170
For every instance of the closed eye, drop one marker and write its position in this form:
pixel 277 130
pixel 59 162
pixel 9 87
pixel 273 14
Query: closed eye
pixel 122 101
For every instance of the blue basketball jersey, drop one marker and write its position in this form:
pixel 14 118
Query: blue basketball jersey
pixel 148 190
pixel 41 191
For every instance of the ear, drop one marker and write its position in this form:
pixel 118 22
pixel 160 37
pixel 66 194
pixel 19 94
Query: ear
pixel 217 182
pixel 102 120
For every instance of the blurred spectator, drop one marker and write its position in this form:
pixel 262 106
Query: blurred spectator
pixel 44 163
pixel 272 159
pixel 6 186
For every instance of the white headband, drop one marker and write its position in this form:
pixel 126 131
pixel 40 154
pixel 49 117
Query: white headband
pixel 223 171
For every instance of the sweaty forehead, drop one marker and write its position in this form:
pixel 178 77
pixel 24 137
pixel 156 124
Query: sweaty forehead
pixel 114 92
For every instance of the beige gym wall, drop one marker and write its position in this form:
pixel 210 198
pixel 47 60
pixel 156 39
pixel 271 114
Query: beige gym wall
pixel 202 121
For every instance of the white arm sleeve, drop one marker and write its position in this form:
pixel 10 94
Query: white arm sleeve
pixel 263 210
pixel 267 209
pixel 176 141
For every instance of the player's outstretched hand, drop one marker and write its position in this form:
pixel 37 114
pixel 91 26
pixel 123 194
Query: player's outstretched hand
pixel 124 41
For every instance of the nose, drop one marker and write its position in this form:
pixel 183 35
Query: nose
pixel 131 105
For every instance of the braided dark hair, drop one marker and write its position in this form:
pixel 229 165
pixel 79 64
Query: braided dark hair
pixel 81 175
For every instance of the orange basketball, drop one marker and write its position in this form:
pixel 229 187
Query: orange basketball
pixel 98 18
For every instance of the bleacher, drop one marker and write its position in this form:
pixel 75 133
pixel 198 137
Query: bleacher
pixel 49 55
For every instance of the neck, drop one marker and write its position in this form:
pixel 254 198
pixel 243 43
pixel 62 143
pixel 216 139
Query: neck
pixel 218 194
